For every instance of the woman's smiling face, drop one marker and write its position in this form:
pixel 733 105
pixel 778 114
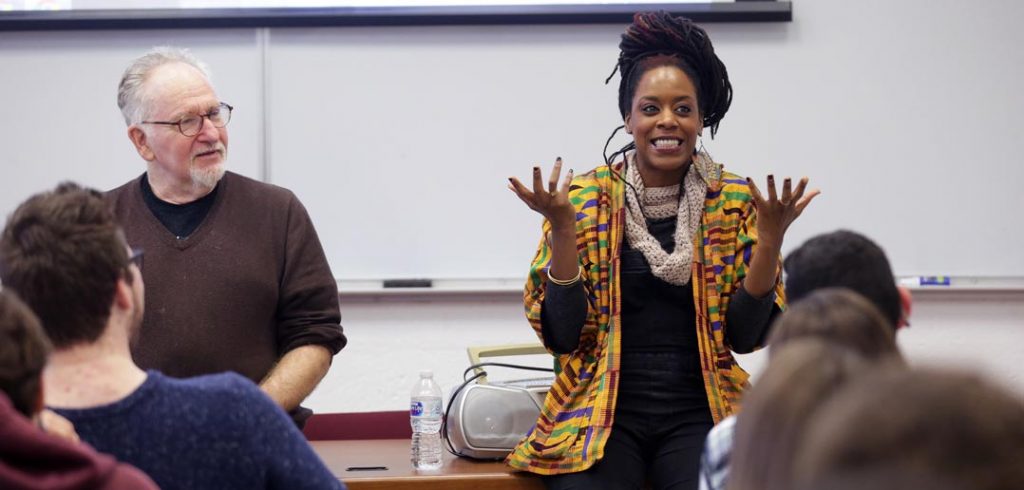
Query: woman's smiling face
pixel 665 122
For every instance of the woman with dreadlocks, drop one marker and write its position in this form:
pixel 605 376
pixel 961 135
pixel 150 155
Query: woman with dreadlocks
pixel 644 327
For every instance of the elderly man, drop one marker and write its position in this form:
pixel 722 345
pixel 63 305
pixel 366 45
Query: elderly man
pixel 235 275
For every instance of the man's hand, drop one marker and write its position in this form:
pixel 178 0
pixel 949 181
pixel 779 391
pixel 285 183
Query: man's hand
pixel 52 423
pixel 296 374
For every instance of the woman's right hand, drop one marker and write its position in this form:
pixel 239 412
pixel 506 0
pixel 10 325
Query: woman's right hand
pixel 553 202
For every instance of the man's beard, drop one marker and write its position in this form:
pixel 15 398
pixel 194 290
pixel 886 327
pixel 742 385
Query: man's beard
pixel 208 177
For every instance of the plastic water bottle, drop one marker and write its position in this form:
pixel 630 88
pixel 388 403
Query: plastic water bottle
pixel 425 413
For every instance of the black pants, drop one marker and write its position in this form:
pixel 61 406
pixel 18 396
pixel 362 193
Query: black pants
pixel 661 420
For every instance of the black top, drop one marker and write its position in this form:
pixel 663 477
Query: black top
pixel 656 316
pixel 180 219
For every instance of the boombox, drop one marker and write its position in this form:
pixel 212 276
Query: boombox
pixel 486 421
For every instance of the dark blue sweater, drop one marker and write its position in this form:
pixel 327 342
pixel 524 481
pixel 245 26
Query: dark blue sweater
pixel 217 431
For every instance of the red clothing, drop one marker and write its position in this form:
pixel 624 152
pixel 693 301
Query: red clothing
pixel 32 459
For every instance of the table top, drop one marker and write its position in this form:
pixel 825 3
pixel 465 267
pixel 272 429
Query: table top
pixel 378 464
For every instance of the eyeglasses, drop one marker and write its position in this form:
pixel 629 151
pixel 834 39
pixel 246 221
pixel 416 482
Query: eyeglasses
pixel 136 258
pixel 193 124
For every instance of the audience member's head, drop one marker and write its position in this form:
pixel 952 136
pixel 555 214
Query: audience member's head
pixel 24 349
pixel 64 255
pixel 840 316
pixel 846 259
pixel 801 374
pixel 955 426
pixel 890 478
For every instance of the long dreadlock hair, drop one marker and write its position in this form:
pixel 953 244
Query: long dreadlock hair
pixel 675 41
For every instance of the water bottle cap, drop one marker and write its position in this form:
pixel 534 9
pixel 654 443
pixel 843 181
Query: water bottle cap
pixel 426 373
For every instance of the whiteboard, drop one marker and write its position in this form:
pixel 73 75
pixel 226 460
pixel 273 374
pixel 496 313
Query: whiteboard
pixel 405 167
pixel 911 136
pixel 399 140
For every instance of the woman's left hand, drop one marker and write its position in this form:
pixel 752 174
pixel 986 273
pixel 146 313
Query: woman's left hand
pixel 776 213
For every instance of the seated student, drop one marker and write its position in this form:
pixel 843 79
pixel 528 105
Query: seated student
pixel 840 258
pixel 953 427
pixel 834 315
pixel 62 252
pixel 770 426
pixel 840 316
pixel 800 374
pixel 847 259
pixel 29 457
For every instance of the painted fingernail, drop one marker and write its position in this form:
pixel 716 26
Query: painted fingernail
pixel 787 180
pixel 536 170
pixel 559 159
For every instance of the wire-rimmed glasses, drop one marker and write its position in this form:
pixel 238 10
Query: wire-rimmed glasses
pixel 191 125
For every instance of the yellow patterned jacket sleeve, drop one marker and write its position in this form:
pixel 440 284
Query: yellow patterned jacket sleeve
pixel 727 239
pixel 576 415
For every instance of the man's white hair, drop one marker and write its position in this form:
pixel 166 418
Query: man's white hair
pixel 131 93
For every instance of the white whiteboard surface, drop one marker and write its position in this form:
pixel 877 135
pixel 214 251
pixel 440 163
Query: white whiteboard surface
pixel 419 129
pixel 909 126
pixel 399 140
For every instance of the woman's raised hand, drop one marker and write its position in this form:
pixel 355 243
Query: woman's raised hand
pixel 776 213
pixel 553 201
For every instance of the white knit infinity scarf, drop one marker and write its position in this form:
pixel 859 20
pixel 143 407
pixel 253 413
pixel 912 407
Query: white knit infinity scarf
pixel 672 268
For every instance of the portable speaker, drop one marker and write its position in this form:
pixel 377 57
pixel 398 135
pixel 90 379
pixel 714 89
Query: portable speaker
pixel 486 421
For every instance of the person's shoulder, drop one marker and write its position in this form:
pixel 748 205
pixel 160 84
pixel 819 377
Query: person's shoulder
pixel 734 187
pixel 594 181
pixel 207 383
pixel 733 179
pixel 227 389
pixel 121 192
pixel 725 428
pixel 250 186
pixel 718 444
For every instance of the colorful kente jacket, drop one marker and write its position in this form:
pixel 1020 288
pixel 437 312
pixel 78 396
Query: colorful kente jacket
pixel 577 415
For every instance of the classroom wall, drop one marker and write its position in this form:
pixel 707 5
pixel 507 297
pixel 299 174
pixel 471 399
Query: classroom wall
pixel 64 125
pixel 391 339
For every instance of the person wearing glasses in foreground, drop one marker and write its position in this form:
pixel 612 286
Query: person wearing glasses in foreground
pixel 236 277
pixel 651 271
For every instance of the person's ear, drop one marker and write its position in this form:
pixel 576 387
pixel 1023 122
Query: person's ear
pixel 140 140
pixel 626 123
pixel 123 292
pixel 905 302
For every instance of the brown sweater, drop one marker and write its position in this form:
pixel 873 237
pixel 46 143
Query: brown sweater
pixel 250 284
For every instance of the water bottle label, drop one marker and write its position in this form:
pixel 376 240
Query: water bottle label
pixel 426 408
